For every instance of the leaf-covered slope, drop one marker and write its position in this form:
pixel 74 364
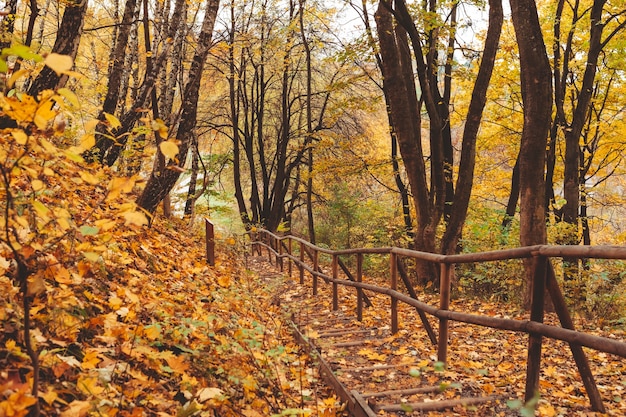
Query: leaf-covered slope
pixel 151 329
pixel 123 319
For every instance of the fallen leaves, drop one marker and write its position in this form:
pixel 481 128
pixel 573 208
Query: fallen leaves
pixel 127 320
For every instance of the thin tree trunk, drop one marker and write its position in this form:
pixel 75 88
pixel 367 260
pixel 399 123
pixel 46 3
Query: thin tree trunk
pixel 511 205
pixel 309 128
pixel 66 43
pixel 159 186
pixel 536 85
pixel 395 159
pixel 465 179
pixel 8 24
pixel 233 81
pixel 193 179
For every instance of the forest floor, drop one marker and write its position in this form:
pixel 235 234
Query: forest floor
pixel 482 362
pixel 150 329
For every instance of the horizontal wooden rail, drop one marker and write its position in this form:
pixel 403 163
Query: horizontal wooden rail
pixel 543 279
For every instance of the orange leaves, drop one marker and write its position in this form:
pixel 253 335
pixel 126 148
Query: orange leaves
pixel 119 186
pixel 175 364
pixel 17 403
pixel 372 355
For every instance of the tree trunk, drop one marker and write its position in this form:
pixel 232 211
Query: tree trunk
pixel 193 178
pixel 309 129
pixel 233 81
pixel 511 205
pixel 536 88
pixel 159 186
pixel 8 24
pixel 395 158
pixel 404 107
pixel 66 43
pixel 465 179
pixel 116 68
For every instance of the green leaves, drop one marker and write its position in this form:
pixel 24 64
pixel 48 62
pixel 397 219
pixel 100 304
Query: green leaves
pixel 88 230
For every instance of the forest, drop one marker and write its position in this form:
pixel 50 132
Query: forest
pixel 440 126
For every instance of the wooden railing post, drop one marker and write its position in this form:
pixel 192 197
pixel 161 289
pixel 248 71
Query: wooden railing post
pixel 335 267
pixel 535 341
pixel 444 304
pixel 393 267
pixel 280 254
pixel 290 252
pixel 359 291
pixel 314 273
pixel 301 266
pixel 210 242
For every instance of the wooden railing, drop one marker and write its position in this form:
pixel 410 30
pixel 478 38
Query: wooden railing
pixel 306 258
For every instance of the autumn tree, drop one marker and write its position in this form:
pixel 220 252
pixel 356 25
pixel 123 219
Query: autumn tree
pixel 7 24
pixel 161 182
pixel 432 188
pixel 67 43
pixel 270 98
pixel 112 139
pixel 537 98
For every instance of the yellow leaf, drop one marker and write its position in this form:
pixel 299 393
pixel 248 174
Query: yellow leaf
pixel 77 409
pixel 62 275
pixel 160 126
pixel 223 280
pixel 402 351
pixel 152 332
pixel 177 364
pixel 208 393
pixel 44 115
pixel 114 122
pixel 41 210
pixel 59 63
pixel 88 141
pixel 50 396
pixel 89 178
pixel 169 149
pixel 120 185
pixel 49 147
pixel 15 77
pixel 69 96
pixel 105 224
pixel 546 410
pixel 115 302
pixel 20 137
pixel 91 125
pixel 90 360
pixel 135 218
pixel 91 256
pixel 89 386
pixel 37 185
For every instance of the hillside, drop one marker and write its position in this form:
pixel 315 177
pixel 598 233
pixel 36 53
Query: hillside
pixel 124 319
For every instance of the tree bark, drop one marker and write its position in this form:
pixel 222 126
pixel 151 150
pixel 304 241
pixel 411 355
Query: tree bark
pixel 66 43
pixel 465 179
pixel 8 25
pixel 536 88
pixel 395 158
pixel 108 150
pixel 159 186
pixel 116 68
pixel 309 128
